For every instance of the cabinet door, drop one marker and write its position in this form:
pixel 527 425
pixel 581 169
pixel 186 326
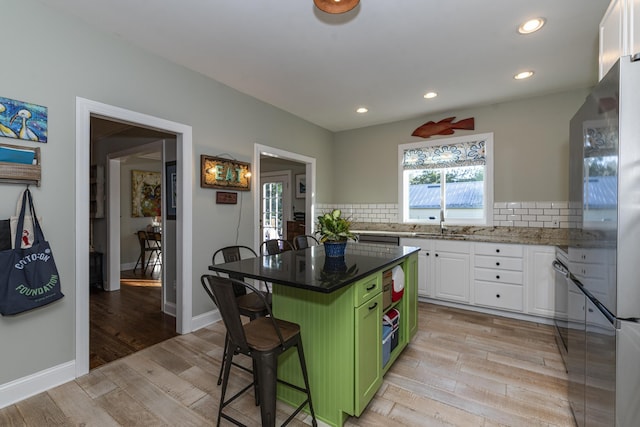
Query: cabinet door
pixel 541 281
pixel 612 44
pixel 451 276
pixel 368 351
pixel 425 276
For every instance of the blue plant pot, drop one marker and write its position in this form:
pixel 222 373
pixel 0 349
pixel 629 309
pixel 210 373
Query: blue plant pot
pixel 334 249
pixel 336 264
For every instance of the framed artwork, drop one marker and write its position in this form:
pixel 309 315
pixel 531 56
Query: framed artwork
pixel 226 198
pixel 224 174
pixel 146 193
pixel 172 189
pixel 22 120
pixel 301 186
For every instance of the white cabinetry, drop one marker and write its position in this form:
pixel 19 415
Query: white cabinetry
pixel 451 270
pixel 443 268
pixel 425 268
pixel 498 276
pixel 541 280
pixel 510 278
pixel 619 33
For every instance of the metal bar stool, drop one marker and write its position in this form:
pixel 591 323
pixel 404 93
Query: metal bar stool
pixel 249 304
pixel 275 246
pixel 263 340
pixel 301 241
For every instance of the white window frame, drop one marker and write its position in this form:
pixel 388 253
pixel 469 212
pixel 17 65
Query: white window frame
pixel 403 193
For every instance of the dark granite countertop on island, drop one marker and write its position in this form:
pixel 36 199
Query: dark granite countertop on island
pixel 310 269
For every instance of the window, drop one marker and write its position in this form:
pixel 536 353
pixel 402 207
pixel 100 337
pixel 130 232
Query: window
pixel 452 177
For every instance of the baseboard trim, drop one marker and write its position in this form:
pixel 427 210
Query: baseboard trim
pixel 31 385
pixel 205 319
pixel 170 309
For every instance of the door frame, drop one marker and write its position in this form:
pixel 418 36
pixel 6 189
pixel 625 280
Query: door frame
pixel 85 108
pixel 310 199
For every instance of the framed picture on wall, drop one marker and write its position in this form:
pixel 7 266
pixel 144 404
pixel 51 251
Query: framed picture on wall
pixel 301 186
pixel 146 193
pixel 172 189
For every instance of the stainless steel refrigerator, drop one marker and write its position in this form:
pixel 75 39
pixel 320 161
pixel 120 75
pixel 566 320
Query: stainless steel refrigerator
pixel 603 357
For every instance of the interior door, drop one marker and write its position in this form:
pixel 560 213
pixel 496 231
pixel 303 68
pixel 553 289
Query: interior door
pixel 275 196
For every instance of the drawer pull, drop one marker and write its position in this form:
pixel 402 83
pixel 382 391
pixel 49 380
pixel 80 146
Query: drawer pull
pixel 497 263
pixel 371 287
pixel 497 250
pixel 497 276
pixel 497 295
pixel 373 306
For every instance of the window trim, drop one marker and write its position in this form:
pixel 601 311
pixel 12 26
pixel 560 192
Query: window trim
pixel 403 196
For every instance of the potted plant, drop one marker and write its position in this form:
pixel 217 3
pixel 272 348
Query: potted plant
pixel 334 233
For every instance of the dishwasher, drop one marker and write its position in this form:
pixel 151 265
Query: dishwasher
pixel 383 239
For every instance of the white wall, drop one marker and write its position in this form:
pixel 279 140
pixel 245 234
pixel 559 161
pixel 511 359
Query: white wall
pixel 54 59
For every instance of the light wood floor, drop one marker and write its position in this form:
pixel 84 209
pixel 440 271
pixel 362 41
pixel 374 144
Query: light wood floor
pixel 461 369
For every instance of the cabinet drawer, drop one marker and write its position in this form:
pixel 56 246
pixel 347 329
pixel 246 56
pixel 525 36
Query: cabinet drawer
pixel 499 295
pixel 498 263
pixel 501 276
pixel 367 288
pixel 501 249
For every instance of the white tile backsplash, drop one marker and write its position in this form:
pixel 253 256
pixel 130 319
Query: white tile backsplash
pixel 555 214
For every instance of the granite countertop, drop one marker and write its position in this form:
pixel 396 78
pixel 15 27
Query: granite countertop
pixel 311 270
pixel 518 235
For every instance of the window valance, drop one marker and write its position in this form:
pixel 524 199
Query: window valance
pixel 470 153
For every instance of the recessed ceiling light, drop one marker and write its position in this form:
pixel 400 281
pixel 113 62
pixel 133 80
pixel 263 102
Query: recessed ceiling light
pixel 430 95
pixel 362 110
pixel 531 26
pixel 523 75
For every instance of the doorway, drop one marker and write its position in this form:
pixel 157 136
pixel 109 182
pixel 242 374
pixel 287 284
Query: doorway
pixel 132 309
pixel 85 109
pixel 304 206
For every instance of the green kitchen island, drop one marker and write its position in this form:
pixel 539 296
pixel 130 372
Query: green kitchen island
pixel 339 305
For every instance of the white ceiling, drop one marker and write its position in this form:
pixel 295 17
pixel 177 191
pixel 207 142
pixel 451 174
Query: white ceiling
pixel 383 55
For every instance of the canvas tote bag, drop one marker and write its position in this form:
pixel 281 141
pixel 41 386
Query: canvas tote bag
pixel 28 276
pixel 26 233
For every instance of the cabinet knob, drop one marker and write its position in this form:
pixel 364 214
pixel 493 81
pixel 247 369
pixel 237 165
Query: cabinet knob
pixel 497 263
pixel 497 276
pixel 436 254
pixel 427 253
pixel 497 250
pixel 497 295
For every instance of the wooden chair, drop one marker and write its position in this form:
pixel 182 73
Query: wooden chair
pixel 249 304
pixel 263 340
pixel 275 246
pixel 302 241
pixel 146 246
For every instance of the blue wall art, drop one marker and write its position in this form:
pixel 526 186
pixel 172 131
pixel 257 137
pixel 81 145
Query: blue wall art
pixel 22 120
